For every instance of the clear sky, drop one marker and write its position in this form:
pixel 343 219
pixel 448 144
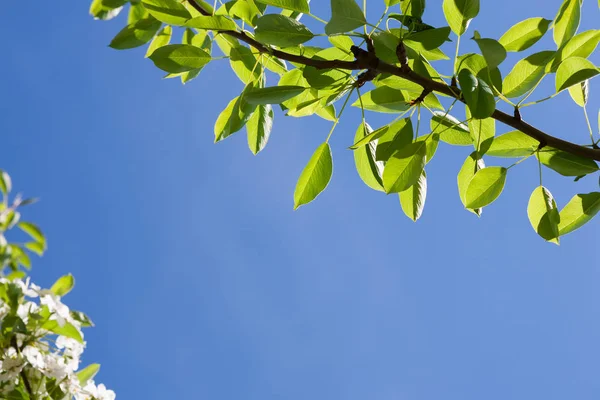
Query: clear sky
pixel 204 284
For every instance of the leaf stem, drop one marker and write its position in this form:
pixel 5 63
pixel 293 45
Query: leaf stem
pixel 337 120
pixel 530 92
pixel 456 56
pixel 587 119
pixel 317 18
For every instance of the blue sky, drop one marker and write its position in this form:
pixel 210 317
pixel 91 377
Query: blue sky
pixel 204 283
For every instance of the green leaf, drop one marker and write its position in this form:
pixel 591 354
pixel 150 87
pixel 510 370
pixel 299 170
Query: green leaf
pixel 346 16
pixel 342 42
pixel 35 247
pixel 161 39
pixel 543 214
pixel 67 330
pixel 216 22
pixel 315 177
pixel 524 34
pixel 431 144
pixel 412 200
pixel 278 30
pixel 241 58
pixel 580 45
pixel 513 144
pixel 233 117
pixel 414 8
pixel 566 21
pixel 397 136
pixel 581 209
pixel 478 66
pixel 137 12
pixel 430 39
pixel 177 58
pixel 34 232
pixel 366 139
pixel 5 183
pixel 168 11
pixel 526 74
pixel 482 132
pixel 384 100
pixel 468 170
pixel 87 373
pixel 63 285
pixel 580 93
pixel 459 14
pixel 136 34
pixel 294 5
pixel 566 164
pixel 493 52
pixel 573 71
pixel 83 319
pixel 369 170
pixel 404 168
pixel 451 130
pixel 485 187
pixel 259 128
pixel 106 9
pixel 273 95
pixel 478 95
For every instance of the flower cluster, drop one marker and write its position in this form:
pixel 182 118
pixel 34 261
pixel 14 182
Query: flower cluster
pixel 41 343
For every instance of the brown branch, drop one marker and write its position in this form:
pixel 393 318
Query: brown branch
pixel 427 84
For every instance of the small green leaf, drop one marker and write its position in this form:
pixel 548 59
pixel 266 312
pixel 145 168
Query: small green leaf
pixel 412 200
pixel 106 9
pixel 161 39
pixel 34 232
pixel 580 93
pixel 493 52
pixel 346 16
pixel 137 12
pixel 574 70
pixel 482 132
pixel 468 170
pixel 315 177
pixel 414 8
pixel 525 34
pixel 67 330
pixel 543 214
pixel 177 58
pixel 294 5
pixel 87 373
pixel 581 45
pixel 63 285
pixel 566 164
pixel 369 170
pixel 566 21
pixel 273 95
pixel 259 128
pixel 485 187
pixel 478 95
pixel 233 117
pixel 513 144
pixel 581 209
pixel 451 130
pixel 168 11
pixel 35 247
pixel 404 168
pixel 384 100
pixel 430 39
pixel 215 22
pixel 366 139
pixel 136 34
pixel 526 74
pixel 282 31
pixel 397 136
pixel 5 183
pixel 459 14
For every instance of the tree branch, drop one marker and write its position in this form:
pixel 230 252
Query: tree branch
pixel 427 84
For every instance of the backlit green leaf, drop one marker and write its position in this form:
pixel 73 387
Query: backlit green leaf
pixel 543 214
pixel 581 45
pixel 87 373
pixel 404 167
pixel 414 8
pixel 493 52
pixel 525 34
pixel 397 136
pixel 450 129
pixel 459 14
pixel 566 164
pixel 215 22
pixel 176 58
pixel 384 100
pixel 512 144
pixel 162 38
pixel 468 170
pixel 566 21
pixel 526 74
pixel 369 170
pixel 574 70
pixel 278 30
pixel 295 5
pixel 315 177
pixel 63 285
pixel 478 95
pixel 273 94
pixel 581 209
pixel 412 200
pixel 259 128
pixel 346 16
pixel 168 11
pixel 136 34
pixel 485 187
pixel 580 93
